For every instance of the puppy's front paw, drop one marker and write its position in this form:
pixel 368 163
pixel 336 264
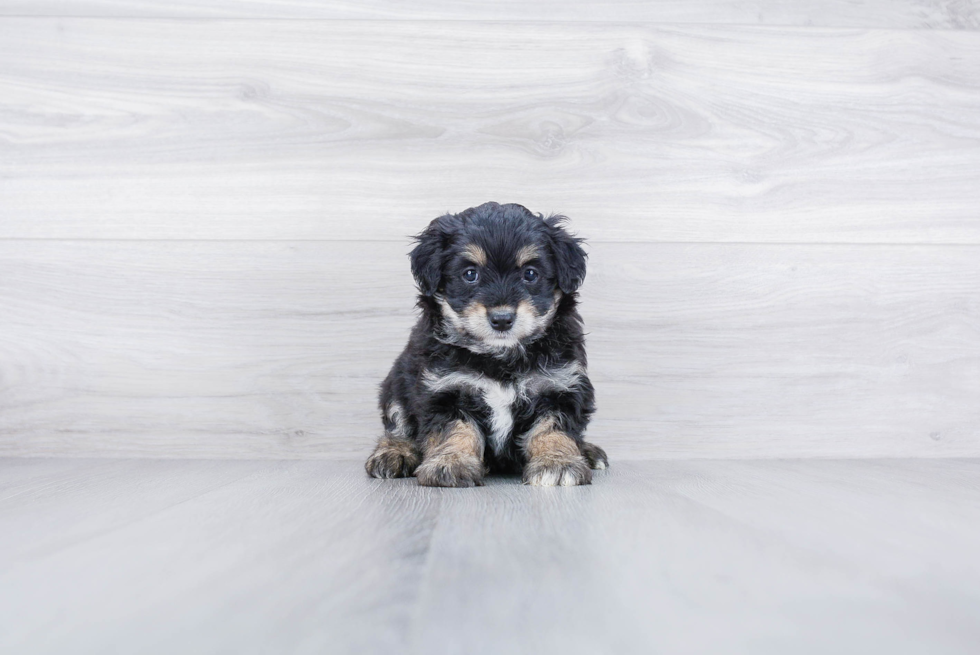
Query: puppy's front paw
pixel 450 471
pixel 595 456
pixel 393 458
pixel 453 457
pixel 548 472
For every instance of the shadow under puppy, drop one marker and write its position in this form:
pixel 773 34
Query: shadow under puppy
pixel 494 373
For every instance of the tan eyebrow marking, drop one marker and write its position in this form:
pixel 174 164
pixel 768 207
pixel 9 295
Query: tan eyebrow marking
pixel 526 254
pixel 476 254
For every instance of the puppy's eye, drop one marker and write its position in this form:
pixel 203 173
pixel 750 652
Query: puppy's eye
pixel 530 275
pixel 471 275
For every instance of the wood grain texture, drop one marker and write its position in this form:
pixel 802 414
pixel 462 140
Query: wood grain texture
pixel 277 129
pixel 287 556
pixel 954 14
pixel 711 557
pixel 777 556
pixel 243 349
pixel 52 503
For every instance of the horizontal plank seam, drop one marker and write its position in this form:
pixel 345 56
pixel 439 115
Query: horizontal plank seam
pixel 358 461
pixel 621 23
pixel 408 241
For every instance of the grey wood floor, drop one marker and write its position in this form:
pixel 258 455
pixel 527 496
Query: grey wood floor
pixel 708 556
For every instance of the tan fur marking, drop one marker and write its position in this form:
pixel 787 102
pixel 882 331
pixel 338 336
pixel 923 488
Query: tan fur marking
pixel 397 446
pixel 475 310
pixel 544 441
pixel 526 254
pixel 393 458
pixel 553 458
pixel 526 307
pixel 461 440
pixel 476 254
pixel 453 458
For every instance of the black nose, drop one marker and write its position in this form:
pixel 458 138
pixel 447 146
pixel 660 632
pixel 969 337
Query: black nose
pixel 502 320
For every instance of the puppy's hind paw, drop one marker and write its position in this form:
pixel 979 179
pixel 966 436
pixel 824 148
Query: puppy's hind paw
pixel 393 458
pixel 595 456
pixel 450 471
pixel 546 472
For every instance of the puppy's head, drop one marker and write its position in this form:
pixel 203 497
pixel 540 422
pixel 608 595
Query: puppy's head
pixel 497 273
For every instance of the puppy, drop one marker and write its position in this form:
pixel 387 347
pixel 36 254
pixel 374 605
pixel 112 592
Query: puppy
pixel 494 374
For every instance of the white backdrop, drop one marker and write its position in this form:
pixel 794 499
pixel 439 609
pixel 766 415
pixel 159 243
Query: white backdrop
pixel 203 223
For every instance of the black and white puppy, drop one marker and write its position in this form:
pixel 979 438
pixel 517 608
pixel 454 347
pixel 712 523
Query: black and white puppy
pixel 494 373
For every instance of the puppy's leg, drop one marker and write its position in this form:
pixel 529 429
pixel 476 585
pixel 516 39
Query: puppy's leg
pixel 453 458
pixel 393 457
pixel 595 456
pixel 553 457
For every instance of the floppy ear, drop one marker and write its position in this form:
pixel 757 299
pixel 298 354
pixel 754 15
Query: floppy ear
pixel 428 255
pixel 568 254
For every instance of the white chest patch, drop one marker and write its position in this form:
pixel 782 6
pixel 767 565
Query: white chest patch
pixel 500 397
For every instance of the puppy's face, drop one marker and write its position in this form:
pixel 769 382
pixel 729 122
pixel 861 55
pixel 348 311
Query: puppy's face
pixel 497 273
pixel 498 296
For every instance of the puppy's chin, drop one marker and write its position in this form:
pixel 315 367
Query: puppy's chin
pixel 471 328
pixel 503 341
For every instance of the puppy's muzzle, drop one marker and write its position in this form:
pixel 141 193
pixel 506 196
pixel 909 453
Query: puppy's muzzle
pixel 502 319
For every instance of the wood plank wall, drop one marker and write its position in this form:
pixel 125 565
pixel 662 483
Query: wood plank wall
pixel 205 210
